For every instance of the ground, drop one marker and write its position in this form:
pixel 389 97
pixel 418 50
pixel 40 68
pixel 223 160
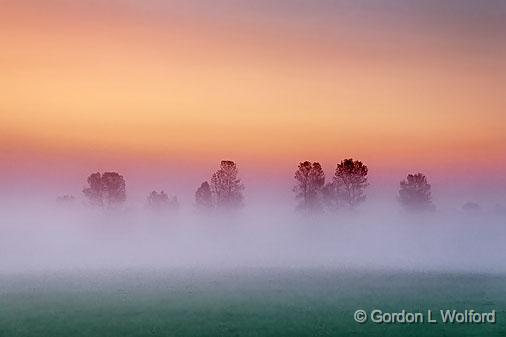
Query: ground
pixel 245 302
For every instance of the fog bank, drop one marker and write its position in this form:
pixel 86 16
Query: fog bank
pixel 48 237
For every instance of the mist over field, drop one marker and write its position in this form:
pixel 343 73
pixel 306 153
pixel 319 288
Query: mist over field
pixel 47 236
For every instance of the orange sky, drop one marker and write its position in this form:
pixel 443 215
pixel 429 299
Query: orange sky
pixel 395 86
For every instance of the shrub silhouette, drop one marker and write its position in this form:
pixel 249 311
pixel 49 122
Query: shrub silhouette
pixel 415 193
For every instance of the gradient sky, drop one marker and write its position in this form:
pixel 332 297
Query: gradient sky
pixel 151 87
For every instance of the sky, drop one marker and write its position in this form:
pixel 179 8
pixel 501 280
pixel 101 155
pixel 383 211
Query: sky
pixel 163 90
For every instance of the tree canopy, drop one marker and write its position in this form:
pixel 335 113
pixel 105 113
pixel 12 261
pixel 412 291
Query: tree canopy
pixel 350 180
pixel 310 181
pixel 105 190
pixel 226 186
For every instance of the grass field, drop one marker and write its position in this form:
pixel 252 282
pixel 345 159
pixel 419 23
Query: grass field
pixel 249 302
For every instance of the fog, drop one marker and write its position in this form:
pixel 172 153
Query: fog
pixel 51 237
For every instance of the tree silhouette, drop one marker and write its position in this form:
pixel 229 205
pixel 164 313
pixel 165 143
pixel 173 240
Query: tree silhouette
pixel 310 181
pixel 350 180
pixel 108 189
pixel 204 197
pixel 226 187
pixel 415 193
pixel 161 202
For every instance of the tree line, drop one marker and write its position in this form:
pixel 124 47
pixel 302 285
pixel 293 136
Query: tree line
pixel 346 189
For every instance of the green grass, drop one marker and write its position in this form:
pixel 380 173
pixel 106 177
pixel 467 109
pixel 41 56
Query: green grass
pixel 268 302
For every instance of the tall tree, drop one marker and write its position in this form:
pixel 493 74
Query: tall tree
pixel 227 187
pixel 310 181
pixel 108 189
pixel 415 193
pixel 204 197
pixel 161 202
pixel 350 180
